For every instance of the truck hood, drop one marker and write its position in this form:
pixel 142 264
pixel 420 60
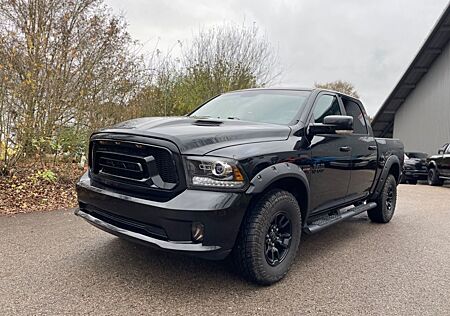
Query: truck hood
pixel 196 136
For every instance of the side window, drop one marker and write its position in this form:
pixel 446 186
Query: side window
pixel 353 109
pixel 448 149
pixel 326 105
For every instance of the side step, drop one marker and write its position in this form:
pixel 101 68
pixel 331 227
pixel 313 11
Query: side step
pixel 328 220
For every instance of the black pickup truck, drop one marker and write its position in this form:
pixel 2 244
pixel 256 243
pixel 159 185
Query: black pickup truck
pixel 439 166
pixel 414 167
pixel 246 173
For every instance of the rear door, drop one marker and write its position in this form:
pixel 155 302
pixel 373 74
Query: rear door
pixel 330 157
pixel 363 151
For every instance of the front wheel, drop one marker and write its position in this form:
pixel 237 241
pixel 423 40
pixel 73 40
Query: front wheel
pixel 269 237
pixel 433 178
pixel 386 202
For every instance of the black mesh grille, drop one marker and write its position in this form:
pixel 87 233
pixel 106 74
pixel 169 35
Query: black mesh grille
pixel 133 162
pixel 166 166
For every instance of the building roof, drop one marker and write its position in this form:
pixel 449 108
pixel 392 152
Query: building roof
pixel 383 121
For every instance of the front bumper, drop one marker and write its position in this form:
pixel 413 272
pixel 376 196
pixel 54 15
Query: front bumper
pixel 166 225
pixel 415 174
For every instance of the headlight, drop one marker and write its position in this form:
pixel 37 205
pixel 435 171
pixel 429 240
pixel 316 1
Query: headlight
pixel 214 172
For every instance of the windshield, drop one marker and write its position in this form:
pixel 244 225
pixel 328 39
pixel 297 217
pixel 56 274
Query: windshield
pixel 266 106
pixel 416 155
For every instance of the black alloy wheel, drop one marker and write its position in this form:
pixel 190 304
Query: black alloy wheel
pixel 390 198
pixel 278 239
pixel 386 202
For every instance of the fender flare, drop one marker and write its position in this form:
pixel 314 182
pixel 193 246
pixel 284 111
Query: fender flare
pixel 432 163
pixel 384 174
pixel 269 175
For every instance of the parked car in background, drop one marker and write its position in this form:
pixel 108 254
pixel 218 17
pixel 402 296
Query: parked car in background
pixel 439 166
pixel 415 167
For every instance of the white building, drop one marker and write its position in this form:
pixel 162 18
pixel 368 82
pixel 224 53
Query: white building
pixel 418 109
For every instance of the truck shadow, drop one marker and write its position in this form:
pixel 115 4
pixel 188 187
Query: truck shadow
pixel 154 271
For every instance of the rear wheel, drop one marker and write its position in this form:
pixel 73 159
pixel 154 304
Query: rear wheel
pixel 268 241
pixel 433 177
pixel 386 202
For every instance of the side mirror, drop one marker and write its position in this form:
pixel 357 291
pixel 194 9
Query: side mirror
pixel 333 124
pixel 441 150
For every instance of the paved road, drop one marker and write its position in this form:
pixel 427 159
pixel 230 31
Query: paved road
pixel 54 263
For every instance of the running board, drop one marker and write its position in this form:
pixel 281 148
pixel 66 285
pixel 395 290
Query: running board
pixel 328 220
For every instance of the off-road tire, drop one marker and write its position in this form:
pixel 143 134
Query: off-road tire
pixel 386 202
pixel 433 178
pixel 249 254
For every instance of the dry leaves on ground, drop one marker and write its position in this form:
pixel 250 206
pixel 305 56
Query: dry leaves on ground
pixel 25 192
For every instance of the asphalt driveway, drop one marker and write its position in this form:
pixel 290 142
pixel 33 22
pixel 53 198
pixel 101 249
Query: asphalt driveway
pixel 55 263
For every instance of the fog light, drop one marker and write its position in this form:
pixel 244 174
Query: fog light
pixel 197 231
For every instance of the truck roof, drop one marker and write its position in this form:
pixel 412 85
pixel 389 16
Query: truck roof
pixel 297 89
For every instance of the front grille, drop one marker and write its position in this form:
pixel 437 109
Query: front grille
pixel 420 166
pixel 121 163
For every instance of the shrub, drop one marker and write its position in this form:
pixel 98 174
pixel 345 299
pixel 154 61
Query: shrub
pixel 46 175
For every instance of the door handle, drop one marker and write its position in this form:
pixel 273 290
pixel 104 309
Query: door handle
pixel 373 147
pixel 345 148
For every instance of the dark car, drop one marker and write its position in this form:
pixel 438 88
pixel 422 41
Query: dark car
pixel 439 166
pixel 246 174
pixel 415 167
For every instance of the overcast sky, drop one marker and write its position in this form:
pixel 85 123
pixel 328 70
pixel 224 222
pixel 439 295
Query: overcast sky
pixel 369 43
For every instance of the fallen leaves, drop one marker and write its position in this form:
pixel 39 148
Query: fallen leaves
pixel 22 193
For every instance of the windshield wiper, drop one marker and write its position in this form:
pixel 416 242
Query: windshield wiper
pixel 200 116
pixel 217 117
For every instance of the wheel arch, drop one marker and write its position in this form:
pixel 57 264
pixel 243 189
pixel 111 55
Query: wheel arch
pixel 394 169
pixel 391 166
pixel 284 176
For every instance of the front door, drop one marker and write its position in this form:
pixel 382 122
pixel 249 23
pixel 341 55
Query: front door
pixel 364 152
pixel 445 169
pixel 330 158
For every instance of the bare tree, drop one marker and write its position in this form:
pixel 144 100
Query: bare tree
pixel 63 62
pixel 225 58
pixel 216 60
pixel 70 67
pixel 340 86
